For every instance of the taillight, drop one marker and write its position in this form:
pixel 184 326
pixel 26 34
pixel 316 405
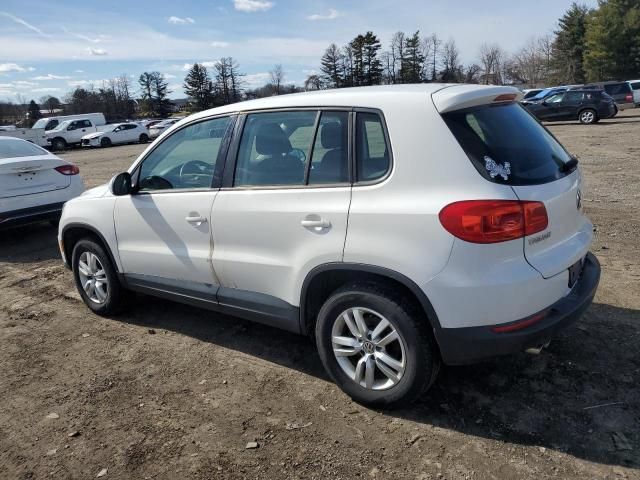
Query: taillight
pixel 68 169
pixel 521 324
pixel 629 98
pixel 506 97
pixel 493 221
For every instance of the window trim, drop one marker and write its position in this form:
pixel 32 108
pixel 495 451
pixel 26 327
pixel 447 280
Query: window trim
pixel 232 153
pixel 216 180
pixel 387 139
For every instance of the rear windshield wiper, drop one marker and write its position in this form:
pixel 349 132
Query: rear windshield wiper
pixel 569 165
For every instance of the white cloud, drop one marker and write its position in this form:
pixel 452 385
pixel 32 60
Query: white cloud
pixel 97 39
pixel 96 51
pixel 169 76
pixel 333 13
pixel 49 76
pixel 180 21
pixel 45 90
pixel 79 71
pixel 25 84
pixel 20 21
pixel 13 67
pixel 218 44
pixel 256 79
pixel 252 5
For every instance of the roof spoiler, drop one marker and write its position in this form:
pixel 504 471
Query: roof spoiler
pixel 457 97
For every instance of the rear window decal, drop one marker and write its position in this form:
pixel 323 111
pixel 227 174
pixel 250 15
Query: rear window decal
pixel 496 169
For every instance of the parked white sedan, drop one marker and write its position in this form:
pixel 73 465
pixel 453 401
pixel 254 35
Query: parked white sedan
pixel 115 134
pixel 34 183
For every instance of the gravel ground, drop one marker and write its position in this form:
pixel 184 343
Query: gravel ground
pixel 167 391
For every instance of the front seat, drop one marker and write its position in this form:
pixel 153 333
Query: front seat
pixel 279 167
pixel 333 167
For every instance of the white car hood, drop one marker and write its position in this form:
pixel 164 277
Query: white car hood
pixel 93 135
pixel 96 192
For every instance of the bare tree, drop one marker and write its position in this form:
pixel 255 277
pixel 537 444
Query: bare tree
pixel 396 54
pixel 313 82
pixel 434 43
pixel 277 78
pixel 450 57
pixel 491 59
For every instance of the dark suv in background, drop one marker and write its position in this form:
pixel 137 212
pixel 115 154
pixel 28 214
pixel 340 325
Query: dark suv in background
pixel 586 105
pixel 621 92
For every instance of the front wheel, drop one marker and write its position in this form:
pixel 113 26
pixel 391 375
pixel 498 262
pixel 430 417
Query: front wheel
pixel 59 144
pixel 96 279
pixel 105 142
pixel 588 116
pixel 376 346
pixel 144 138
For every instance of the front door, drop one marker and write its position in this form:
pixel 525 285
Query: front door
pixel 285 210
pixel 164 230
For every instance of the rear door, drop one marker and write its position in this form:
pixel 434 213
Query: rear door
pixel 26 169
pixel 568 108
pixel 283 208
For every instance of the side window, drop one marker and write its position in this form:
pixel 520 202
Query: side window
pixel 51 125
pixel 372 151
pixel 573 97
pixel 557 98
pixel 186 159
pixel 72 126
pixel 273 148
pixel 330 157
pixel 129 126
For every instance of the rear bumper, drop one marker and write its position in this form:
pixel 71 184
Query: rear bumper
pixel 23 216
pixel 465 345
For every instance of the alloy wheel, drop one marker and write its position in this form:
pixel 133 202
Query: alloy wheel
pixel 93 277
pixel 368 348
pixel 587 117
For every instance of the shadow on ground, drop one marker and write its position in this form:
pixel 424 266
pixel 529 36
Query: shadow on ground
pixel 29 243
pixel 542 400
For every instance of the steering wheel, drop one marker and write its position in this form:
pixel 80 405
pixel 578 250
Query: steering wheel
pixel 191 171
pixel 299 154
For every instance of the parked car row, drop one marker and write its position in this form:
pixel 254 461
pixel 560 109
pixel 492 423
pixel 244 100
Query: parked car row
pixel 586 103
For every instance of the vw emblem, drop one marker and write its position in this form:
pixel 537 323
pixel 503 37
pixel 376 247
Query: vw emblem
pixel 368 347
pixel 578 200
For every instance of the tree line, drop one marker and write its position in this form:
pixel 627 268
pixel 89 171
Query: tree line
pixel 596 44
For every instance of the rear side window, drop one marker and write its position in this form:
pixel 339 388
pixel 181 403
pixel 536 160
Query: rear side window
pixel 573 97
pixel 372 151
pixel 507 145
pixel 617 88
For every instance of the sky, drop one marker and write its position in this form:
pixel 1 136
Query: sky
pixel 49 47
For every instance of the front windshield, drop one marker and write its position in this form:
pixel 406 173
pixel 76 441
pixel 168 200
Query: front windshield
pixel 40 123
pixel 63 125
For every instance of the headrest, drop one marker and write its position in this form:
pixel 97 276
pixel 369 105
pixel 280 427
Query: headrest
pixel 271 140
pixel 331 135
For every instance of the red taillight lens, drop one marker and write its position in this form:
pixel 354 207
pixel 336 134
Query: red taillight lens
pixel 522 324
pixel 629 98
pixel 493 221
pixel 68 170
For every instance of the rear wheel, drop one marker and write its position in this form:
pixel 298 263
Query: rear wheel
pixel 588 116
pixel 144 138
pixel 376 346
pixel 105 142
pixel 96 279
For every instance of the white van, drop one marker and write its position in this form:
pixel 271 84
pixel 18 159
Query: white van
pixel 50 123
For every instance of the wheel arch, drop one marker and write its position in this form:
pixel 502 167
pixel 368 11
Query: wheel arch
pixel 74 232
pixel 322 280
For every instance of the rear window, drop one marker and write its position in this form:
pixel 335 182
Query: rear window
pixel 19 148
pixel 507 145
pixel 635 85
pixel 617 88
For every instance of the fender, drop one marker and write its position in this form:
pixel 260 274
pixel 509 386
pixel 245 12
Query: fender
pixel 373 269
pixel 93 230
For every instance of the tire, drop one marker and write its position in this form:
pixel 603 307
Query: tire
pixel 144 138
pixel 116 298
pixel 588 116
pixel 58 143
pixel 415 347
pixel 105 142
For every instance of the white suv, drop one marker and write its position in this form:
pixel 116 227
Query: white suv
pixel 401 226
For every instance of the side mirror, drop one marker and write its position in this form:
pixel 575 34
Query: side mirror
pixel 121 184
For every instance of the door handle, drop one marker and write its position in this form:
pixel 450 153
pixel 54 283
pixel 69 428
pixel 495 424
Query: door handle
pixel 316 224
pixel 196 219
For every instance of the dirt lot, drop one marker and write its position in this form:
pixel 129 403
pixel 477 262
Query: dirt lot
pixel 170 392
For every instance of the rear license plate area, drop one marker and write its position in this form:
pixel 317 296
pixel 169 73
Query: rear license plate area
pixel 574 273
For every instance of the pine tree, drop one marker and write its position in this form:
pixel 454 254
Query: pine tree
pixel 412 61
pixel 371 63
pixel 613 41
pixel 34 112
pixel 569 46
pixel 199 87
pixel 331 67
